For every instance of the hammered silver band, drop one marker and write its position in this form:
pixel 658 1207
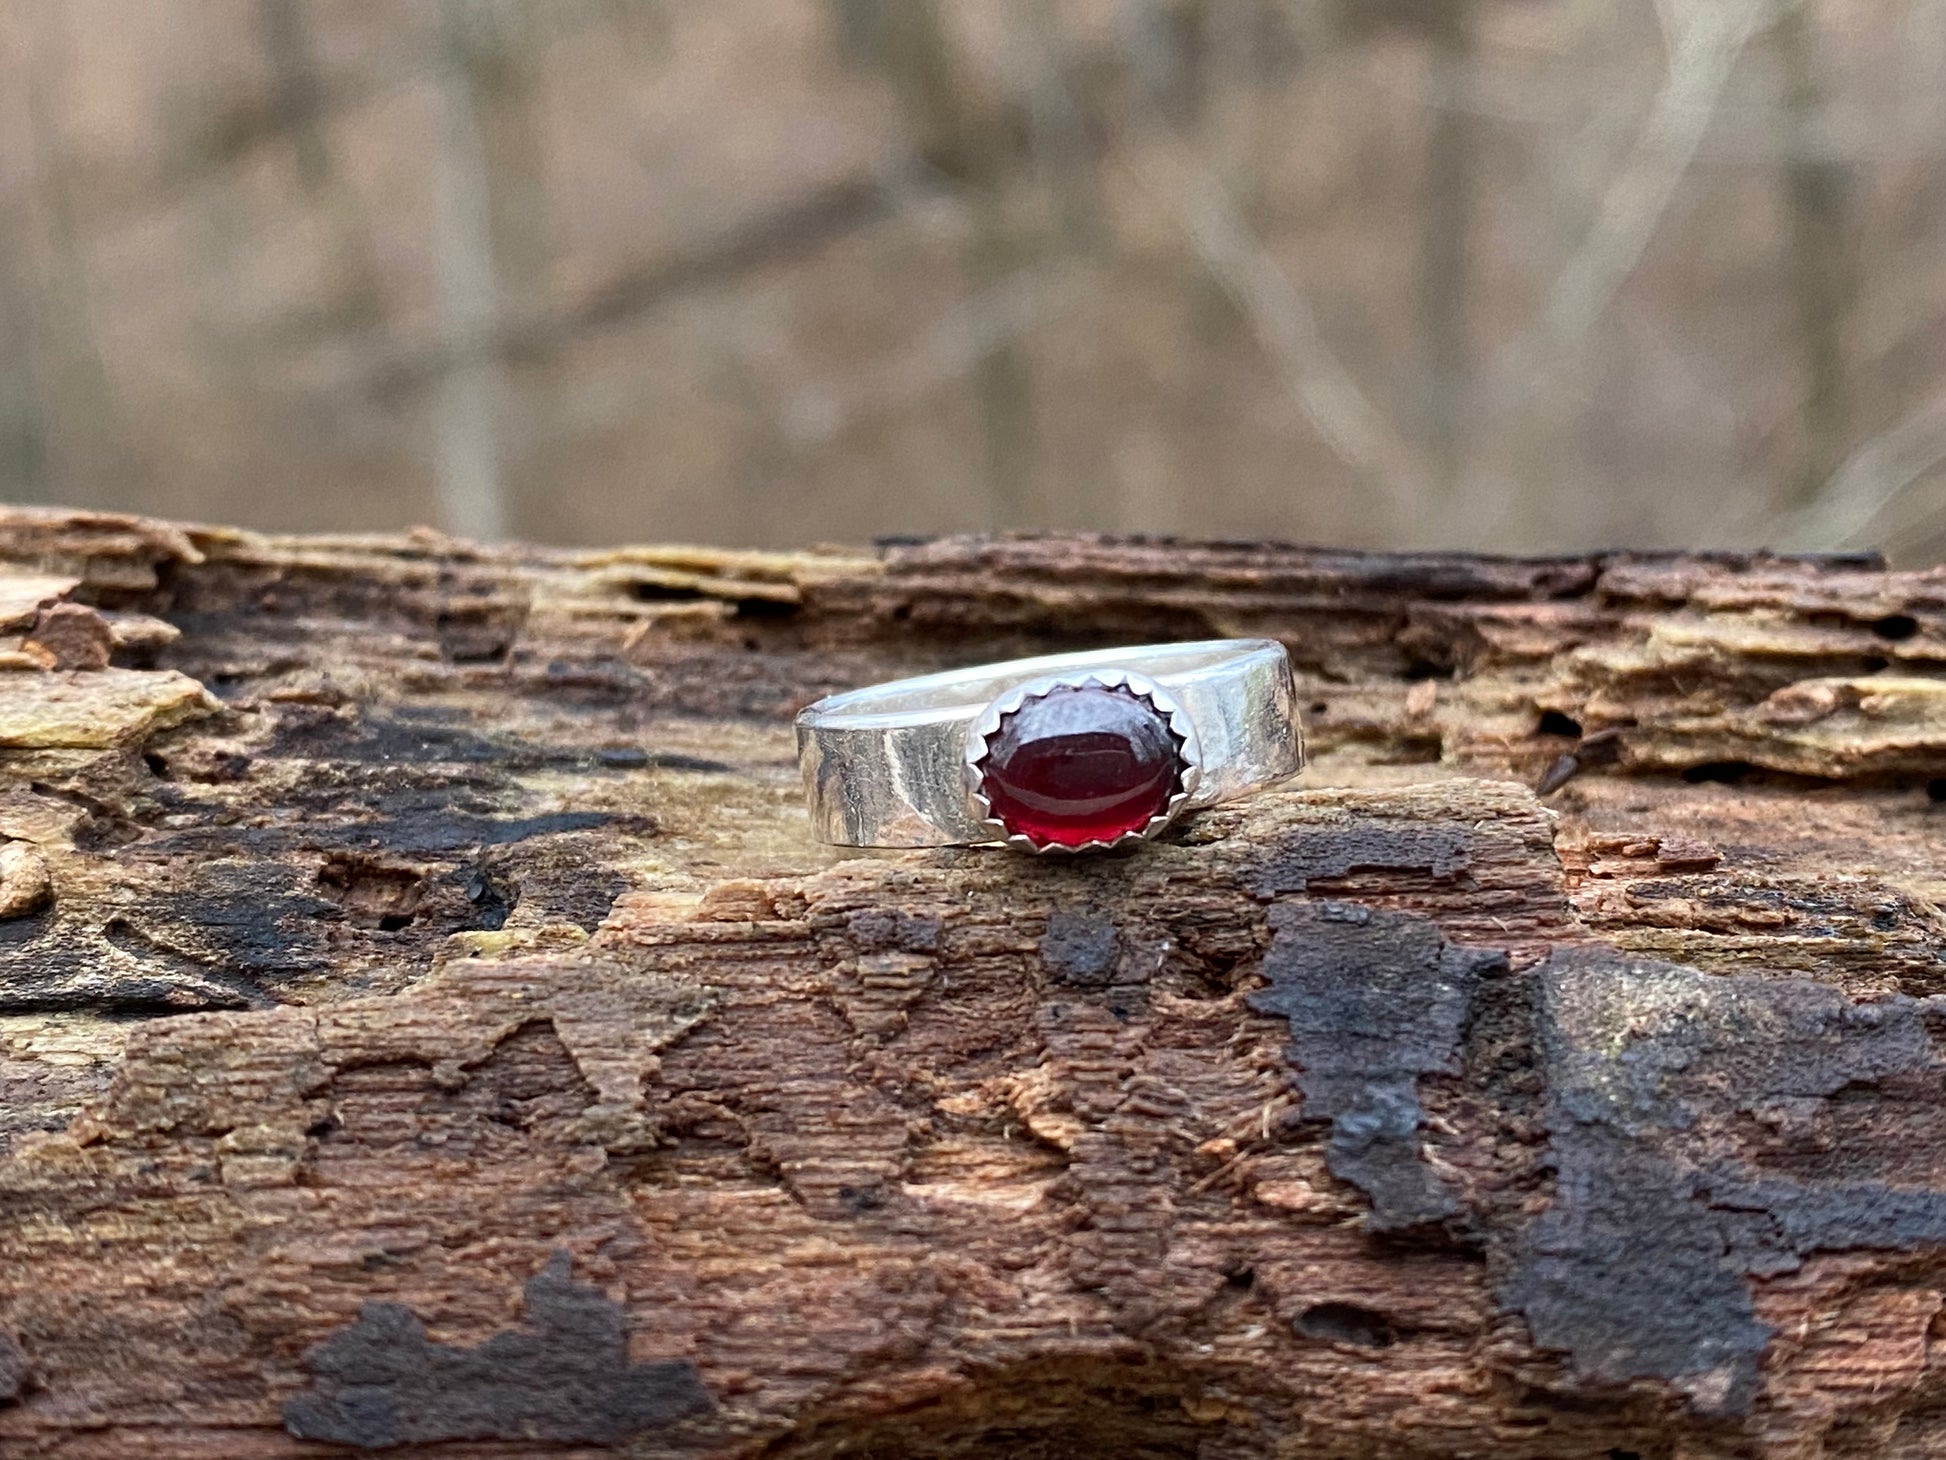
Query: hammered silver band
pixel 887 766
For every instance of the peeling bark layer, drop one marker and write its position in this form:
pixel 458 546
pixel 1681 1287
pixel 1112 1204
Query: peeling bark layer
pixel 424 1024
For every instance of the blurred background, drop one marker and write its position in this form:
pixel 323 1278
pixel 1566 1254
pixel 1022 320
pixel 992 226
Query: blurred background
pixel 1508 274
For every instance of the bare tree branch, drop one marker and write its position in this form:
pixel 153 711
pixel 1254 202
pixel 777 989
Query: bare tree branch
pixel 1448 193
pixel 1877 478
pixel 1816 193
pixel 466 411
pixel 1704 38
pixel 1287 331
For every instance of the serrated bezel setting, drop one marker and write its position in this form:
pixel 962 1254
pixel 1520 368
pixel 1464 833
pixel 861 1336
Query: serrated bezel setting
pixel 1189 753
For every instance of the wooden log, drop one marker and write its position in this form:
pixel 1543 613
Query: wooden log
pixel 425 1023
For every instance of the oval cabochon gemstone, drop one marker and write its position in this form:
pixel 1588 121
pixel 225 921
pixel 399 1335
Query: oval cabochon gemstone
pixel 1081 764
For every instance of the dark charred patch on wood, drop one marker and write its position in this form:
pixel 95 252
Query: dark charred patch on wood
pixel 174 979
pixel 247 915
pixel 424 738
pixel 1375 1002
pixel 18 931
pixel 429 744
pixel 1081 948
pixel 225 935
pixel 1329 854
pixel 432 829
pixel 436 834
pixel 60 986
pixel 563 1377
pixel 1500 1100
pixel 1642 1266
pixel 571 879
pixel 229 918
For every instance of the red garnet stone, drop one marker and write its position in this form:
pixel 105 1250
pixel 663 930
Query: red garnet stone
pixel 1079 764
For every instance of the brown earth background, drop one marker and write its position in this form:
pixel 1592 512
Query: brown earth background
pixel 1511 274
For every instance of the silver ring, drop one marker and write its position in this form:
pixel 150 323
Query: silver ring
pixel 1067 752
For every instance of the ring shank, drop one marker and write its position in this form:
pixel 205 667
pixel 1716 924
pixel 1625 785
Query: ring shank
pixel 883 766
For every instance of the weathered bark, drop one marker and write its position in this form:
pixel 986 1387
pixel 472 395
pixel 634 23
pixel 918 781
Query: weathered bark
pixel 423 1018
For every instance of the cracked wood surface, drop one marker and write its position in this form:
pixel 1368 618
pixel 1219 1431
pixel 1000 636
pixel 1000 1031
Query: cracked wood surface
pixel 425 1026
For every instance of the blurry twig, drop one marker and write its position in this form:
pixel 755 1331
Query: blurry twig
pixel 466 407
pixel 75 387
pixel 1873 481
pixel 1448 192
pixel 297 105
pixel 1816 192
pixel 1288 332
pixel 1038 63
pixel 1704 38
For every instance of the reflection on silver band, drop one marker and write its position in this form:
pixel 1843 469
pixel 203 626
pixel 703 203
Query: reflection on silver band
pixel 885 766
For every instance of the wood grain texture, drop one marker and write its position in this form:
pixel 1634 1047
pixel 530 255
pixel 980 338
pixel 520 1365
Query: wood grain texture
pixel 425 1025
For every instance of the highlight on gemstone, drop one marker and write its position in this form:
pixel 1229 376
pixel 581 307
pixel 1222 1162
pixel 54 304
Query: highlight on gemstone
pixel 1079 764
